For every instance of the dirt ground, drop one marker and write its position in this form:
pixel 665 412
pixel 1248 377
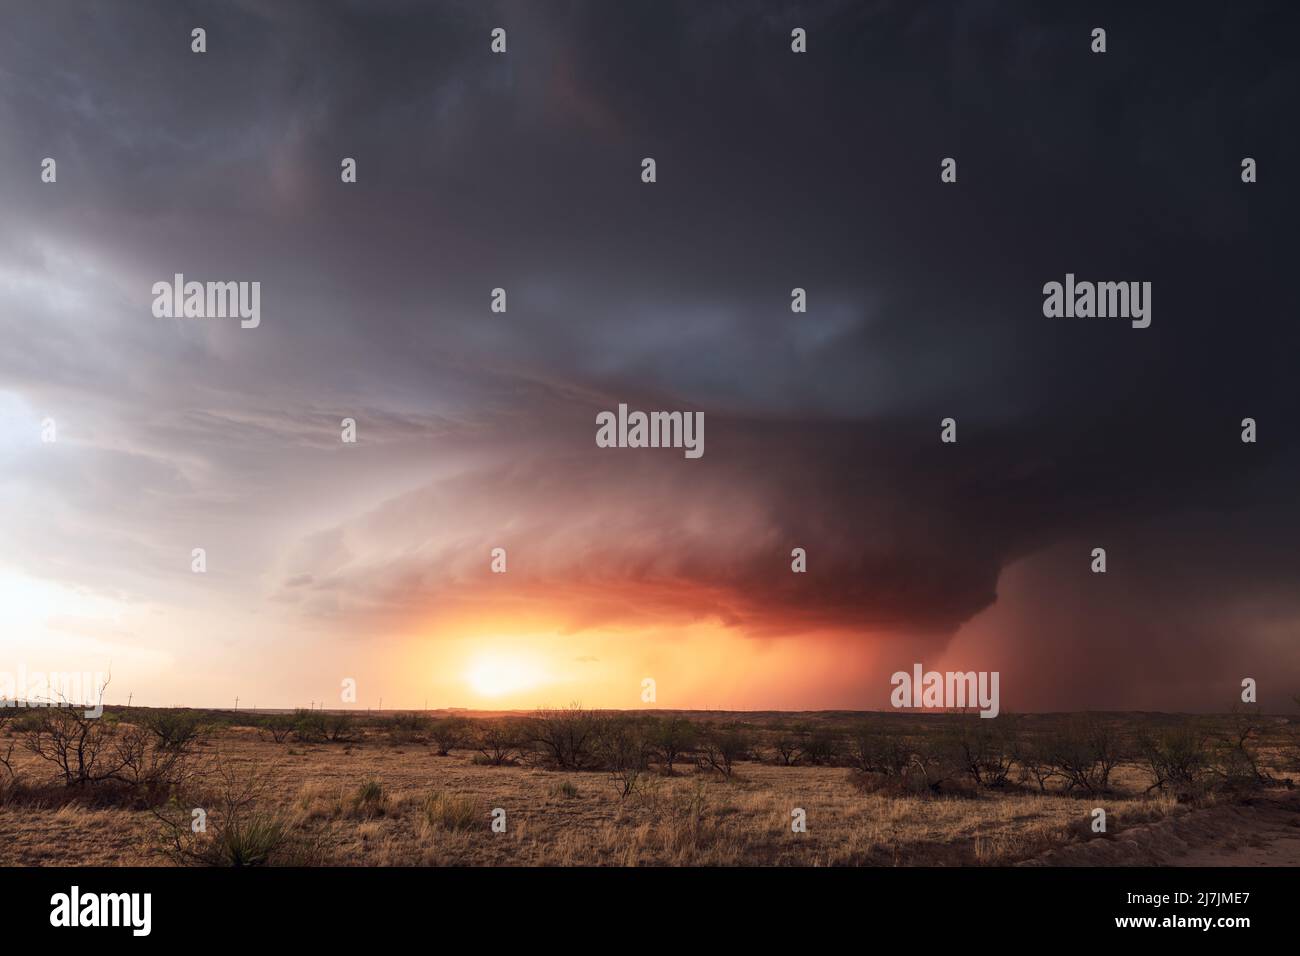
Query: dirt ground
pixel 1260 831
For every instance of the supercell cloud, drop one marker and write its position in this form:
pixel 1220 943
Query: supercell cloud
pixel 476 429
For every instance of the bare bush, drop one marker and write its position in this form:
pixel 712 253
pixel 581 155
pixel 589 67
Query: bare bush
pixel 1033 757
pixel 174 729
pixel 891 762
pixel 113 761
pixel 236 832
pixel 822 747
pixel 500 742
pixel 624 748
pixel 339 727
pixel 1176 758
pixel 983 750
pixel 788 745
pixel 277 726
pixel 1235 756
pixel 406 727
pixel 1291 756
pixel 722 746
pixel 1084 753
pixel 7 759
pixel 12 784
pixel 81 747
pixel 681 822
pixel 309 726
pixel 449 733
pixel 155 770
pixel 566 738
pixel 870 750
pixel 672 738
pixel 937 767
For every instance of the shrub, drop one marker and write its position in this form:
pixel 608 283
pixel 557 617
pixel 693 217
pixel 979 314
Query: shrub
pixel 450 812
pixel 236 832
pixel 80 747
pixel 1033 757
pixel 671 738
pixel 448 733
pixel 174 729
pixel 277 726
pixel 680 822
pixel 140 765
pixel 499 742
pixel 371 799
pixel 565 788
pixel 309 725
pixel 1084 753
pixel 155 772
pixel 1235 757
pixel 982 750
pixel 7 761
pixel 406 727
pixel 892 763
pixel 937 767
pixel 722 746
pixel 822 747
pixel 30 719
pixel 1176 759
pixel 871 751
pixel 567 737
pixel 338 727
pixel 250 839
pixel 624 748
pixel 788 745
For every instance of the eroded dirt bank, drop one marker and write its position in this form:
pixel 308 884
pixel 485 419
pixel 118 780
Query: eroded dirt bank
pixel 1261 831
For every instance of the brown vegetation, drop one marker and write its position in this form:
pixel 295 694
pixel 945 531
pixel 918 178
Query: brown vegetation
pixel 586 787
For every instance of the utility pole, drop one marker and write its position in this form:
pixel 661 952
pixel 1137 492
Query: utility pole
pixel 236 702
pixel 128 699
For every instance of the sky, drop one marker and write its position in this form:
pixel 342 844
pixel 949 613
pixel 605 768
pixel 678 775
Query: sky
pixel 371 561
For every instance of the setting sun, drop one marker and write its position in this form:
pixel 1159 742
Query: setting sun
pixel 493 675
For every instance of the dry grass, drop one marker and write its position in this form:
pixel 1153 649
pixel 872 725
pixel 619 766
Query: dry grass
pixel 375 804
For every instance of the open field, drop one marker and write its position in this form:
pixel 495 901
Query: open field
pixel 582 788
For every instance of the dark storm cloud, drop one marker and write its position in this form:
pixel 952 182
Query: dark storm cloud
pixel 775 171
